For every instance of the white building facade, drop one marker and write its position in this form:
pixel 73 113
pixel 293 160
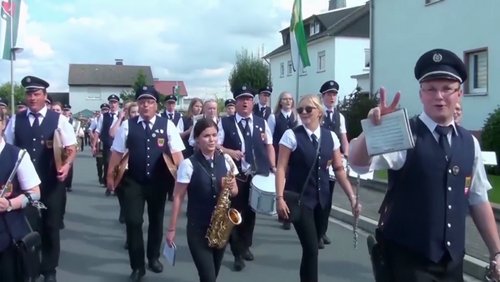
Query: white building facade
pixel 404 30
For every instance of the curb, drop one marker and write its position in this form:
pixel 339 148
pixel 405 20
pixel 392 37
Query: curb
pixel 472 266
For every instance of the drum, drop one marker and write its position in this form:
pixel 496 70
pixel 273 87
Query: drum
pixel 263 194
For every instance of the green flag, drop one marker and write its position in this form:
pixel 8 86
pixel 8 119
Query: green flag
pixel 9 24
pixel 298 42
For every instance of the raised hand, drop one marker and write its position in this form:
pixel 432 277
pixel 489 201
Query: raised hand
pixel 382 108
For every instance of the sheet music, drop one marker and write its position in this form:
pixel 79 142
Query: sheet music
pixel 169 253
pixel 489 158
pixel 391 135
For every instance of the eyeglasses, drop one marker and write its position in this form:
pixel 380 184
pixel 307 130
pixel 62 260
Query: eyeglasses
pixel 447 91
pixel 308 109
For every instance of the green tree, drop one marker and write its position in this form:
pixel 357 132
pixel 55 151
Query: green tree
pixel 249 70
pixel 129 95
pixel 18 92
pixel 355 107
pixel 490 137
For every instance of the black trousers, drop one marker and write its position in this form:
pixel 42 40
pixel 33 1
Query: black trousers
pixel 68 182
pixel 8 265
pixel 207 260
pixel 105 162
pixel 135 195
pixel 49 225
pixel 405 265
pixel 309 229
pixel 242 235
pixel 120 195
pixel 100 167
pixel 329 206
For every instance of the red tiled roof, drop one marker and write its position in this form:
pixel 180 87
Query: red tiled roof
pixel 166 87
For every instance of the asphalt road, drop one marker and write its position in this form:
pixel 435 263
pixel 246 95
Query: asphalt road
pixel 92 244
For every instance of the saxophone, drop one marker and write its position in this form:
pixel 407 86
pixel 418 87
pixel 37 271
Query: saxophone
pixel 224 218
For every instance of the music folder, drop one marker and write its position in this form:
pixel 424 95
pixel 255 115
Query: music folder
pixel 169 253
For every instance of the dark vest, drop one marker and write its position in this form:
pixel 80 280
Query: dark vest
pixel 258 112
pixel 204 188
pixel 12 224
pixel 70 120
pixel 107 121
pixel 302 159
pixel 145 151
pixel 188 152
pixel 176 118
pixel 427 194
pixel 39 145
pixel 282 124
pixel 232 141
pixel 334 124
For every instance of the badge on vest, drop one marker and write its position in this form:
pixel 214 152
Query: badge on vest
pixel 160 142
pixel 468 181
pixel 455 170
pixel 49 144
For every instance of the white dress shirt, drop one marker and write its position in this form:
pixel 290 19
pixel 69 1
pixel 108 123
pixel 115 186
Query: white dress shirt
pixel 290 141
pixel 341 119
pixel 26 173
pixel 271 121
pixel 185 171
pixel 99 122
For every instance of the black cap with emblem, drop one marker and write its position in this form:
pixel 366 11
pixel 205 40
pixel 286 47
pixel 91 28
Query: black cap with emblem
pixel 330 85
pixel 48 99
pixel 266 90
pixel 170 98
pixel 244 91
pixel 229 102
pixel 147 92
pixel 33 83
pixel 440 64
pixel 21 103
pixel 66 107
pixel 4 102
pixel 114 98
pixel 104 106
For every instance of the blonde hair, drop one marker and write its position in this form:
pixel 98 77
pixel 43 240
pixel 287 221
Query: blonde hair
pixel 129 106
pixel 189 113
pixel 314 99
pixel 277 108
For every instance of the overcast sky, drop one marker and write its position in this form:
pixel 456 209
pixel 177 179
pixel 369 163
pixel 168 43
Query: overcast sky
pixel 190 40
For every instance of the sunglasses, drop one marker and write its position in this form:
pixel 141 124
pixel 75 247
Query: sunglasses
pixel 307 109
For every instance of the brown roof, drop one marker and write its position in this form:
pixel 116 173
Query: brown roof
pixel 107 75
pixel 166 87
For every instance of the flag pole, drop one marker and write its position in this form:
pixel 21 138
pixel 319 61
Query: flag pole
pixel 12 102
pixel 297 83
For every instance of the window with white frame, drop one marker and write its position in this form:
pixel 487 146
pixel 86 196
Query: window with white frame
pixel 93 93
pixel 303 70
pixel 477 68
pixel 321 61
pixel 313 28
pixel 289 68
pixel 282 69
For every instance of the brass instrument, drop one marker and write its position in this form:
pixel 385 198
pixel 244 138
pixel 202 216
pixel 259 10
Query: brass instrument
pixel 58 147
pixel 224 218
pixel 7 187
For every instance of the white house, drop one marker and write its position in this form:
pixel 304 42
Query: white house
pixel 90 84
pixel 404 30
pixel 338 47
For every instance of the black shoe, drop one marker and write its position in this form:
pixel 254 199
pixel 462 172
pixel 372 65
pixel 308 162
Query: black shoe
pixel 239 264
pixel 50 278
pixel 101 181
pixel 286 225
pixel 155 266
pixel 248 255
pixel 321 244
pixel 107 193
pixel 326 240
pixel 136 275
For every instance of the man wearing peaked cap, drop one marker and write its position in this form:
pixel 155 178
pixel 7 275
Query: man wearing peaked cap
pixel 102 132
pixel 253 153
pixel 230 104
pixel 34 130
pixel 20 106
pixel 4 106
pixel 434 185
pixel 95 138
pixel 170 112
pixel 150 141
pixel 261 109
pixel 48 102
pixel 334 121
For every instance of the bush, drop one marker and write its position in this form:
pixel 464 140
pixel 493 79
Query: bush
pixel 490 137
pixel 355 107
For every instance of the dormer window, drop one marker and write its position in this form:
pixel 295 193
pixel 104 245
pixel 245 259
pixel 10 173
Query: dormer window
pixel 313 28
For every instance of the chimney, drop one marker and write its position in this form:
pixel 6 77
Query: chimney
pixel 336 4
pixel 119 62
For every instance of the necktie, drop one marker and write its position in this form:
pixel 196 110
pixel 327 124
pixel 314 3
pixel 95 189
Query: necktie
pixel 170 116
pixel 36 123
pixel 443 138
pixel 314 141
pixel 315 145
pixel 210 163
pixel 247 137
pixel 146 128
pixel 263 110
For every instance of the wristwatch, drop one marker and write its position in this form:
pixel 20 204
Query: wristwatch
pixel 9 208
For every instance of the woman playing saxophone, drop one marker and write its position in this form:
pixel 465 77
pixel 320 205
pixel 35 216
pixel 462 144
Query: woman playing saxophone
pixel 203 177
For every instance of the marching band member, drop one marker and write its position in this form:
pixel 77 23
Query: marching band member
pixel 209 110
pixel 95 140
pixel 283 118
pixel 334 121
pixel 48 102
pixel 194 109
pixel 102 133
pixel 298 155
pixel 57 107
pixel 33 130
pixel 170 113
pixel 68 183
pixel 261 109
pixel 146 137
pixel 433 186
pixel 457 113
pixel 202 177
pixel 12 220
pixel 248 140
pixel 21 106
pixel 229 104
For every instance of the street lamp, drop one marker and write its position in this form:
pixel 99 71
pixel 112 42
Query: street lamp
pixel 13 52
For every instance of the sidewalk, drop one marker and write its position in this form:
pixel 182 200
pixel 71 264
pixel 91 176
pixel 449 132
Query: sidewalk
pixel 371 200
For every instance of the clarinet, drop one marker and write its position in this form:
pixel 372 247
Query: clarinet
pixel 355 219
